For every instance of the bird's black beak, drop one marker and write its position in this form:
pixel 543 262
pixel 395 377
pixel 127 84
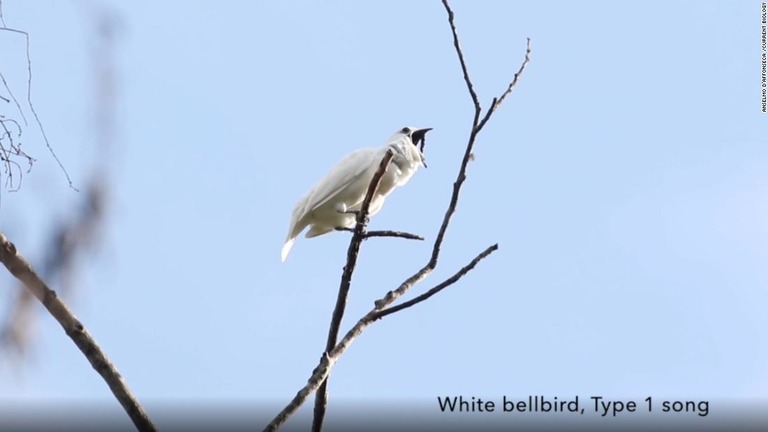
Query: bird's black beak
pixel 417 137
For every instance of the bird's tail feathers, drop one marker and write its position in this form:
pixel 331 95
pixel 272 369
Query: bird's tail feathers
pixel 287 248
pixel 295 228
pixel 293 232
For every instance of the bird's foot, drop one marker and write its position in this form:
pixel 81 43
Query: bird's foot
pixel 341 208
pixel 357 214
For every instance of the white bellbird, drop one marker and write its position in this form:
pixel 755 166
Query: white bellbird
pixel 333 201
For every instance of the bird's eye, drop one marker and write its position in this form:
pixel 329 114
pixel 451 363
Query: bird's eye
pixel 406 130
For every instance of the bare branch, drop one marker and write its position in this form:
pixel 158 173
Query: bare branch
pixel 385 233
pixel 464 70
pixel 329 358
pixel 519 72
pixel 388 233
pixel 32 107
pixel 2 20
pixel 13 97
pixel 498 100
pixel 20 268
pixel 7 155
pixel 441 286
pixel 319 376
pixel 80 234
pixel 13 151
pixel 321 400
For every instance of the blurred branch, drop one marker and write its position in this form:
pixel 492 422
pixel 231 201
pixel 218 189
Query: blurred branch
pixel 346 280
pixel 69 237
pixel 67 240
pixel 20 268
pixel 318 380
pixel 15 333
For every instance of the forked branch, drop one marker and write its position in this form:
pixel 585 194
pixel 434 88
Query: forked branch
pixel 329 359
pixel 317 380
pixel 381 313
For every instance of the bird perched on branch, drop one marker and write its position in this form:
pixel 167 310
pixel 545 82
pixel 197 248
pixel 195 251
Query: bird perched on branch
pixel 333 202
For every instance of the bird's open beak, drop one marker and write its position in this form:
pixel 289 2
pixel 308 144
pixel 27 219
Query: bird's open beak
pixel 418 136
pixel 418 139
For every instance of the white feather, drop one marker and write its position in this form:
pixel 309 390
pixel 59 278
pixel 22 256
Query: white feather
pixel 325 207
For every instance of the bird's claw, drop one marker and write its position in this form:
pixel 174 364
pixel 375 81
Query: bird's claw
pixel 357 214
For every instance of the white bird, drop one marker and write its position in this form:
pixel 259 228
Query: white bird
pixel 333 201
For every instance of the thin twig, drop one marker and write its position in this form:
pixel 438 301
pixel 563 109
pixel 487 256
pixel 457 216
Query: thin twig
pixel 20 268
pixel 321 400
pixel 13 97
pixel 388 233
pixel 385 233
pixel 439 287
pixel 498 100
pixel 457 46
pixel 32 107
pixel 327 361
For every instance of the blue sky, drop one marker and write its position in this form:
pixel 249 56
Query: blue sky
pixel 625 180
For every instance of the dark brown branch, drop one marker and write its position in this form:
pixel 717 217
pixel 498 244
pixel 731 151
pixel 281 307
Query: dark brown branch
pixel 385 233
pixel 477 126
pixel 21 269
pixel 439 287
pixel 498 100
pixel 323 369
pixel 388 233
pixel 464 70
pixel 359 234
pixel 321 372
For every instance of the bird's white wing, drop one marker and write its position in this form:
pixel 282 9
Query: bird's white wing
pixel 339 180
pixel 340 177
